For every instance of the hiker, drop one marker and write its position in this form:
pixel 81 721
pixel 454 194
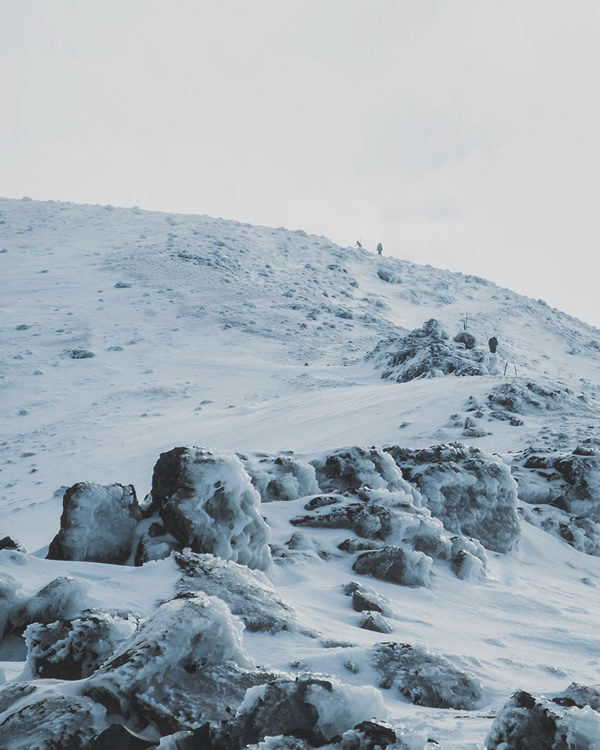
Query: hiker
pixel 358 244
pixel 493 343
pixel 379 249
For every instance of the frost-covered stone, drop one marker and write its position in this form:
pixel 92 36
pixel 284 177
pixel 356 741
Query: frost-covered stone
pixel 564 490
pixel 397 565
pixel 207 502
pixel 63 598
pixel 97 524
pixel 74 649
pixel 8 601
pixel 9 543
pixel 472 492
pixel 355 467
pixel 424 677
pixel 375 622
pixel 119 737
pixel 280 477
pixel 247 593
pixel 366 599
pixel 184 666
pixel 51 721
pixel 428 352
pixel 314 707
pixel 557 723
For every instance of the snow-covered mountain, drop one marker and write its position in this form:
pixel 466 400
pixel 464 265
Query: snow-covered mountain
pixel 382 521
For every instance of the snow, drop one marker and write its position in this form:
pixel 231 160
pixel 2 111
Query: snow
pixel 251 342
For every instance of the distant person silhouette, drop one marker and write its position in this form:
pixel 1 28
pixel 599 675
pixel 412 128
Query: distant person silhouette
pixel 493 343
pixel 358 243
pixel 379 249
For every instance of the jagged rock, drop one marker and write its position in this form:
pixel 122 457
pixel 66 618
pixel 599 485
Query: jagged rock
pixel 567 487
pixel 74 649
pixel 9 543
pixel 466 338
pixel 311 707
pixel 427 352
pixel 395 564
pixel 8 601
pixel 472 492
pixel 366 599
pixel 247 593
pixel 370 735
pixel 472 429
pixel 351 468
pixel 556 723
pixel 376 622
pixel 78 354
pixel 280 477
pixel 64 597
pixel 97 524
pixel 424 677
pixel 359 545
pixel 207 502
pixel 183 667
pixel 52 721
pixel 321 501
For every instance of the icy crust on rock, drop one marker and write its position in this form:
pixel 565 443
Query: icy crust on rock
pixel 46 720
pixel 280 477
pixel 207 502
pixel 472 492
pixel 354 467
pixel 248 593
pixel 97 523
pixel 318 706
pixel 425 677
pixel 563 490
pixel 564 721
pixel 428 352
pixel 184 666
pixel 74 649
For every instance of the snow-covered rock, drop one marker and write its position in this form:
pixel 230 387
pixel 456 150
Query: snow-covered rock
pixel 207 502
pixel 248 593
pixel 558 722
pixel 46 720
pixel 354 467
pixel 428 352
pixel 184 666
pixel 316 707
pixel 97 523
pixel 74 649
pixel 471 491
pixel 280 477
pixel 424 677
pixel 395 564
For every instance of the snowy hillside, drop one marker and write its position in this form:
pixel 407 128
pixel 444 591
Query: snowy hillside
pixel 383 520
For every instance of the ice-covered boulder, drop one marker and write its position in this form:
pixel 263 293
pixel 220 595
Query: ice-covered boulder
pixel 366 599
pixel 395 564
pixel 64 597
pixel 354 467
pixel 184 666
pixel 47 720
pixel 424 677
pixel 248 593
pixel 563 490
pixel 428 352
pixel 8 601
pixel 9 543
pixel 74 649
pixel 560 722
pixel 315 707
pixel 280 477
pixel 472 492
pixel 207 502
pixel 97 524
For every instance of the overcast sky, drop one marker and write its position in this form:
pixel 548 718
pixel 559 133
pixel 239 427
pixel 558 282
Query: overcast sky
pixel 461 133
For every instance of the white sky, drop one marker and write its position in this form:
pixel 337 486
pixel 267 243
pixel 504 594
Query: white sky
pixel 461 133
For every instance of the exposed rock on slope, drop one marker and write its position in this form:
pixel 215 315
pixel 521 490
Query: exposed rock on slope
pixel 428 352
pixel 469 490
